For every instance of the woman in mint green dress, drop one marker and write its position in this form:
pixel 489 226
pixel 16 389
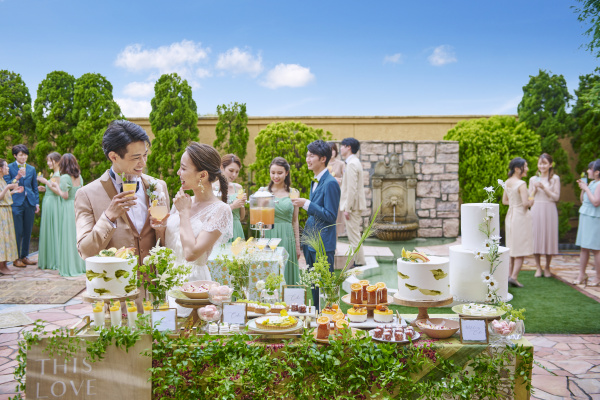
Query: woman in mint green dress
pixel 69 261
pixel 236 198
pixel 49 228
pixel 286 218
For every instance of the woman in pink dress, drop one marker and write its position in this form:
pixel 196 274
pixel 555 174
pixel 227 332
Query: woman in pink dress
pixel 518 225
pixel 545 189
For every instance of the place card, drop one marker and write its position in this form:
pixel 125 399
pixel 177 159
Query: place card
pixel 165 319
pixel 234 313
pixel 295 294
pixel 473 330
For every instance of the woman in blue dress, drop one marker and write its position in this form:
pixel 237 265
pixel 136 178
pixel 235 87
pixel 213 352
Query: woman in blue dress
pixel 588 233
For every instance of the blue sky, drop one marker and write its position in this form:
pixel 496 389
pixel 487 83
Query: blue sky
pixel 292 58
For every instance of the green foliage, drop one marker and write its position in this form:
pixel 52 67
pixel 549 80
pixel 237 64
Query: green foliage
pixel 590 12
pixel 53 112
pixel 566 210
pixel 486 146
pixel 232 132
pixel 288 140
pixel 93 109
pixel 542 109
pixel 586 140
pixel 16 120
pixel 174 121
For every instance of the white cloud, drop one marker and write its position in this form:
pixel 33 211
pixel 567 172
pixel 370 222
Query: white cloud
pixel 177 57
pixel 442 55
pixel 291 75
pixel 240 62
pixel 393 59
pixel 134 108
pixel 139 89
pixel 203 73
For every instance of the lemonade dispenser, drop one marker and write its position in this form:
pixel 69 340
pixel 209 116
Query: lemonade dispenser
pixel 262 211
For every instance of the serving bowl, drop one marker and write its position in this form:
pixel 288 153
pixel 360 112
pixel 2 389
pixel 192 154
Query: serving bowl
pixel 197 294
pixel 424 326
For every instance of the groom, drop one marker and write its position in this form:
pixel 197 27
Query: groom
pixel 322 207
pixel 108 217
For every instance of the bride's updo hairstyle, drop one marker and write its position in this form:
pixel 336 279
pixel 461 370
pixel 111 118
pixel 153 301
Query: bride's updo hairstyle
pixel 206 158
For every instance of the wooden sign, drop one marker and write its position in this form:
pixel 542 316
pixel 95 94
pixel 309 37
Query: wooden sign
pixel 165 319
pixel 295 294
pixel 473 330
pixel 235 313
pixel 119 375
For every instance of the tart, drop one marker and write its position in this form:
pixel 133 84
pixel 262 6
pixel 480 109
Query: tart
pixel 383 314
pixel 357 314
pixel 280 322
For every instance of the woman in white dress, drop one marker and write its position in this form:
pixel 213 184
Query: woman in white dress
pixel 199 223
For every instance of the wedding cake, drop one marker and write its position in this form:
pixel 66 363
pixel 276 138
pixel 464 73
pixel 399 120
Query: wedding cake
pixel 470 267
pixel 109 273
pixel 423 277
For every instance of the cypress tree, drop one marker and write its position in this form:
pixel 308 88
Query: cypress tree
pixel 232 132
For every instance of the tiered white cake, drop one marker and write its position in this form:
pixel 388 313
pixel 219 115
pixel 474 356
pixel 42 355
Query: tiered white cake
pixel 108 276
pixel 424 280
pixel 466 282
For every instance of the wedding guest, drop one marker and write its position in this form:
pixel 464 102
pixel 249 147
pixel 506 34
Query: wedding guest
pixel 50 235
pixel 8 239
pixel 236 198
pixel 25 204
pixel 545 190
pixel 68 260
pixel 353 201
pixel 518 224
pixel 322 206
pixel 588 233
pixel 336 168
pixel 286 217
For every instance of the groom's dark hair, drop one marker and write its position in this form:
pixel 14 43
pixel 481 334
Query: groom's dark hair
pixel 321 149
pixel 119 134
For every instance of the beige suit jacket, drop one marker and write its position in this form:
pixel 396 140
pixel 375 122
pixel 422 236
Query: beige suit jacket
pixel 353 191
pixel 95 232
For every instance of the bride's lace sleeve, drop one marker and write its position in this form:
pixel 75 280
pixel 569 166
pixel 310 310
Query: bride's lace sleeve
pixel 220 220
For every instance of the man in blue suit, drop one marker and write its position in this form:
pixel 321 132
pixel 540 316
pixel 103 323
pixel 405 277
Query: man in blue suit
pixel 25 204
pixel 323 205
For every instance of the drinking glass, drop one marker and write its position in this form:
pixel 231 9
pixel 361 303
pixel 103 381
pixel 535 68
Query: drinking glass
pixel 273 243
pixel 294 193
pixel 240 194
pixel 159 210
pixel 129 183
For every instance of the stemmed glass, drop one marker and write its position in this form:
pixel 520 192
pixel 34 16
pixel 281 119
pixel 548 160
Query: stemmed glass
pixel 159 210
pixel 294 193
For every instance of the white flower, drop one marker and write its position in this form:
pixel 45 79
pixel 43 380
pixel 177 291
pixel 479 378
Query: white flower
pixel 501 183
pixel 489 297
pixel 489 189
pixel 491 215
pixel 146 259
pixel 486 207
pixel 486 277
pixel 492 284
pixel 488 243
pixel 477 255
pixel 260 285
pixel 495 238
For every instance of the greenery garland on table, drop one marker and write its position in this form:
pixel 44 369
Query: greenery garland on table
pixel 207 367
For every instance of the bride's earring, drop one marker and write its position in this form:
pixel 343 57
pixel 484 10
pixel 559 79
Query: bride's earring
pixel 201 186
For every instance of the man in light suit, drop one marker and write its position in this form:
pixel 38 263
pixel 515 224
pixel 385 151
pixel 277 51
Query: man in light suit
pixel 25 204
pixel 353 202
pixel 322 207
pixel 105 215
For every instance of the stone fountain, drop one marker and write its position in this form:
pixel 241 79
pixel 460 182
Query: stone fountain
pixel 394 187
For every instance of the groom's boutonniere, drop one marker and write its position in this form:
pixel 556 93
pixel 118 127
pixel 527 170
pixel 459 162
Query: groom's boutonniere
pixel 152 191
pixel 315 180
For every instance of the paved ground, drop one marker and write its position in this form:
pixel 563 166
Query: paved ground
pixel 574 360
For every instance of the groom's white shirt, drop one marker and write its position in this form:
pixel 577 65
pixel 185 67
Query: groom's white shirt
pixel 138 214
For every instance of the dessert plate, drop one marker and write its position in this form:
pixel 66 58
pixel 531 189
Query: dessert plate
pixel 497 312
pixel 253 327
pixel 331 332
pixel 416 337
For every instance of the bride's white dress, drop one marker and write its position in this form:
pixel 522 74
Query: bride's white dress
pixel 214 217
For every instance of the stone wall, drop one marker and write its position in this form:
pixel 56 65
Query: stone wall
pixel 436 166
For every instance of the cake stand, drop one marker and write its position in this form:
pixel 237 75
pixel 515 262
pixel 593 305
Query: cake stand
pixel 370 307
pixel 422 305
pixel 89 299
pixel 194 304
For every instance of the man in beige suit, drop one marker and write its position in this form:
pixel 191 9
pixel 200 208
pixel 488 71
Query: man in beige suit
pixel 108 217
pixel 352 201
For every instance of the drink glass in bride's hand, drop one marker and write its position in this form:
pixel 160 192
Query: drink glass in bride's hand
pixel 159 211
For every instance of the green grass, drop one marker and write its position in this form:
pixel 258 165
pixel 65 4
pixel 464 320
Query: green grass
pixel 552 307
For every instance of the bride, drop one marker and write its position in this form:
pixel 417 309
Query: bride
pixel 199 223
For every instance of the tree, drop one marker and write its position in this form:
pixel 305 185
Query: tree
pixel 542 109
pixel 93 109
pixel 232 132
pixel 288 140
pixel 486 146
pixel 590 13
pixel 16 120
pixel 174 121
pixel 586 140
pixel 53 112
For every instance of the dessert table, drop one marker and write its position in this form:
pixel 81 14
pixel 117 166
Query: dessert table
pixel 265 262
